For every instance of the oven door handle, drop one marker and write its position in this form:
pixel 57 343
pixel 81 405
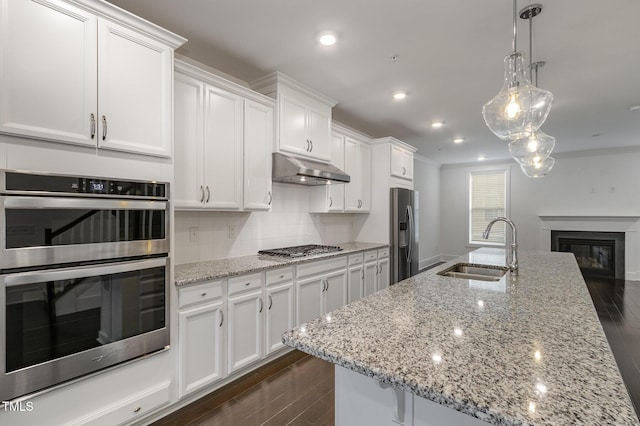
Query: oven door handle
pixel 81 203
pixel 31 277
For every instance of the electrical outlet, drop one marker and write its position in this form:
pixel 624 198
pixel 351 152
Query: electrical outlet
pixel 232 231
pixel 193 233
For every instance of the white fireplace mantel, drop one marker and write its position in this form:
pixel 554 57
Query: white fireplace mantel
pixel 630 225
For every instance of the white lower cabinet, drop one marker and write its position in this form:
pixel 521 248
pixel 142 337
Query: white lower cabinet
pixel 356 277
pixel 279 315
pixel 246 307
pixel 376 270
pixel 201 336
pixel 321 287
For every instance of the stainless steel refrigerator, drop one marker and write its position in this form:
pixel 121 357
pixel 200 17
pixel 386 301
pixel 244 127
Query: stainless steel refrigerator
pixel 404 234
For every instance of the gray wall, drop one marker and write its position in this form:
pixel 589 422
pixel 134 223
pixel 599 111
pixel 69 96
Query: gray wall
pixel 426 181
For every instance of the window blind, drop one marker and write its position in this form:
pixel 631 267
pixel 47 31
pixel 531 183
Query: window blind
pixel 487 201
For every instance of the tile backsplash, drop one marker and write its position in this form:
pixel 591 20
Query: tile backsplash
pixel 206 235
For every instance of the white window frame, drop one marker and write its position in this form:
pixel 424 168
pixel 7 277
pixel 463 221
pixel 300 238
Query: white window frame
pixel 507 189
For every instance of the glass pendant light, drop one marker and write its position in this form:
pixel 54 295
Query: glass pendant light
pixel 533 148
pixel 538 169
pixel 520 108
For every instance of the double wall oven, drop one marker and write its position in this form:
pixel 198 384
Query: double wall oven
pixel 84 276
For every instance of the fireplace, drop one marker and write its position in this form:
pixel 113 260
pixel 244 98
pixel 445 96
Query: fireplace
pixel 599 254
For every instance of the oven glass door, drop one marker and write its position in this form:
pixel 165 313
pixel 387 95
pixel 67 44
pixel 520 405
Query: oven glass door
pixel 51 317
pixel 46 230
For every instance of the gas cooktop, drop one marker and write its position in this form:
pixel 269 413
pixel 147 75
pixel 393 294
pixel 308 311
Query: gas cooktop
pixel 301 251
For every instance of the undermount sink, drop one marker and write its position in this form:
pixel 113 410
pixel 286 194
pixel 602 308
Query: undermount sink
pixel 472 271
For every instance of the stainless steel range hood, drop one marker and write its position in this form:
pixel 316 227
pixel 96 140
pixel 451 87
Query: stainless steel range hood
pixel 290 169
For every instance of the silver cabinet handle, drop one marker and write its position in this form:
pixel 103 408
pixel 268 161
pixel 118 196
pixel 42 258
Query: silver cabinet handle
pixel 221 318
pixel 92 120
pixel 270 197
pixel 363 273
pixel 311 145
pixel 247 284
pixel 261 305
pixel 104 127
pixel 208 194
pixel 137 410
pixel 201 194
pixel 308 145
pixel 330 201
pixel 404 170
pixel 270 302
pixel 203 294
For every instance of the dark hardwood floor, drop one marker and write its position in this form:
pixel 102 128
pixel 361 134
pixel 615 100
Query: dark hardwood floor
pixel 618 305
pixel 297 389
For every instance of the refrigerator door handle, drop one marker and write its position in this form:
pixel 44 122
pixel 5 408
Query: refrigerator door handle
pixel 410 244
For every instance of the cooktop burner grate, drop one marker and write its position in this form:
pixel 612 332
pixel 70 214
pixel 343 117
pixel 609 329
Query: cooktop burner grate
pixel 301 251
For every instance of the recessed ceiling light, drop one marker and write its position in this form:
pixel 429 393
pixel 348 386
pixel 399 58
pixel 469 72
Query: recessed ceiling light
pixel 327 39
pixel 437 124
pixel 481 157
pixel 634 108
pixel 458 140
pixel 399 95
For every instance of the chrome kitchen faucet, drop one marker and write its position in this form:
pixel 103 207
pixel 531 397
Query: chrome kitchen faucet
pixel 512 254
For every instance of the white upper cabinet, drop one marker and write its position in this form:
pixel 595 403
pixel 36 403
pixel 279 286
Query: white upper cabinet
pixel 401 162
pixel 134 91
pixel 223 143
pixel 304 117
pixel 223 150
pixel 357 164
pixel 48 71
pixel 258 146
pixel 68 75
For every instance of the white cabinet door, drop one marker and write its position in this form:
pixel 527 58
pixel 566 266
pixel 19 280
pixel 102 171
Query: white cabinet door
pixel 401 163
pixel 309 304
pixel 370 275
pixel 245 330
pixel 134 91
pixel 293 126
pixel 335 192
pixel 319 134
pixel 365 176
pixel 258 145
pixel 279 315
pixel 357 159
pixel 383 273
pixel 188 190
pixel 200 346
pixel 351 189
pixel 223 149
pixel 335 293
pixel 48 68
pixel 356 283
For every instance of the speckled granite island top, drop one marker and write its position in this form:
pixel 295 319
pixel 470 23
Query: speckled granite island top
pixel 191 273
pixel 526 350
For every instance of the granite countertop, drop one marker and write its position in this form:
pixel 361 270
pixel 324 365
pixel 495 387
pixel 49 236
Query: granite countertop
pixel 191 273
pixel 526 350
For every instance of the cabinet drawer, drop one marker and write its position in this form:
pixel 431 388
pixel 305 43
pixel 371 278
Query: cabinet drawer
pixel 321 266
pixel 279 275
pixel 130 409
pixel 245 282
pixel 199 293
pixel 383 252
pixel 356 258
pixel 370 255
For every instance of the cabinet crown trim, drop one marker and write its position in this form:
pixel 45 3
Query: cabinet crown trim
pixel 207 77
pixel 110 11
pixel 270 83
pixel 393 141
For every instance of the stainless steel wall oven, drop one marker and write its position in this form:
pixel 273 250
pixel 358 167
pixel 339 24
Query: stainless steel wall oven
pixel 84 276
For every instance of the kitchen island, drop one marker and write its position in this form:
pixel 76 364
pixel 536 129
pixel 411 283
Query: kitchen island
pixel 527 349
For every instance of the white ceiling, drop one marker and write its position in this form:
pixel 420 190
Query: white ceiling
pixel 450 56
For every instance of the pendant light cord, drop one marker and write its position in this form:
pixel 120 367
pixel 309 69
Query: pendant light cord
pixel 514 25
pixel 531 52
